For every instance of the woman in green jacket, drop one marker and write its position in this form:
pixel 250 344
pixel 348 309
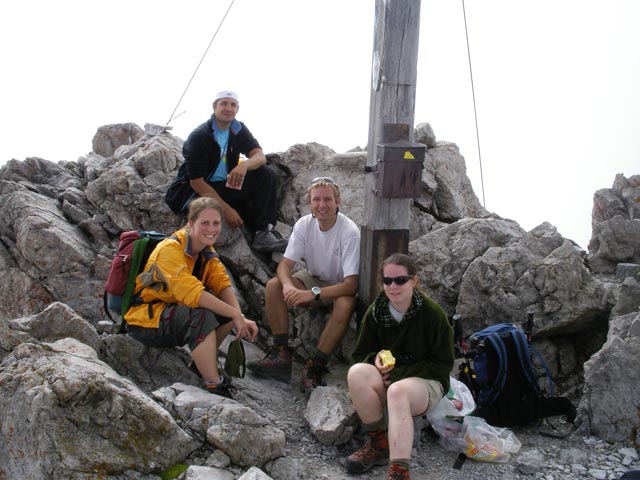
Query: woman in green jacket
pixel 414 329
pixel 186 297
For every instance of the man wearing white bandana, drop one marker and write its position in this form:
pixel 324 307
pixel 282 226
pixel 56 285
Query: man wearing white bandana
pixel 246 190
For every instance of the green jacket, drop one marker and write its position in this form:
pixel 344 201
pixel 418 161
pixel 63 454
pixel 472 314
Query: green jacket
pixel 422 342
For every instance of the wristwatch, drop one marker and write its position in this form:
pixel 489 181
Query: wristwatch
pixel 316 291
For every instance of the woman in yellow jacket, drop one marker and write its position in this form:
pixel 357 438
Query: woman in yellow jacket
pixel 186 297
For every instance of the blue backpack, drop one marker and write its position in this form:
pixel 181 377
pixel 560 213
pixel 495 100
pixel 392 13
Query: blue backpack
pixel 502 378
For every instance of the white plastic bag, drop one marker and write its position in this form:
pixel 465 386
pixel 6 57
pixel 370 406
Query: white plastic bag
pixel 472 436
pixel 457 402
pixel 483 442
pixel 446 418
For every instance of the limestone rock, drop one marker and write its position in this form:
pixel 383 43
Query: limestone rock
pixel 58 322
pixel 330 416
pixel 66 411
pixel 425 134
pixel 452 197
pixel 254 474
pixel 615 234
pixel 463 241
pixel 109 137
pixel 612 384
pixel 232 425
pixel 195 472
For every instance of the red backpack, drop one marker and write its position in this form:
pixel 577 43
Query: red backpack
pixel 134 249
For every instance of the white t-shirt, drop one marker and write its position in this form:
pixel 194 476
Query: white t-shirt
pixel 330 255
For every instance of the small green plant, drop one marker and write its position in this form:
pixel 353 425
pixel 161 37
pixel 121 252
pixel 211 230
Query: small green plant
pixel 173 472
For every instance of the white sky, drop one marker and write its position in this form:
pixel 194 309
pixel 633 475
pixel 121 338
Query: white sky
pixel 557 84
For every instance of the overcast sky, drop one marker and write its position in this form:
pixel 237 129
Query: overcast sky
pixel 556 84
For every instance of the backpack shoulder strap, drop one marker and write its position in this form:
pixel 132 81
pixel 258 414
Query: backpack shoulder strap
pixel 136 259
pixel 106 306
pixel 547 372
pixel 501 374
pixel 524 357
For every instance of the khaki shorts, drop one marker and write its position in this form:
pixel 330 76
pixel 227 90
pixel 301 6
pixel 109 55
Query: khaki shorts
pixel 309 281
pixel 434 389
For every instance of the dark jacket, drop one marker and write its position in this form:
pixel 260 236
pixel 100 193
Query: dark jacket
pixel 422 342
pixel 202 153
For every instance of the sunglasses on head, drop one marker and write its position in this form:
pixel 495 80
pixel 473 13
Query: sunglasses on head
pixel 401 280
pixel 328 180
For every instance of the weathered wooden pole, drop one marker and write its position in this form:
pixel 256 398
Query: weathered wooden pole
pixel 394 162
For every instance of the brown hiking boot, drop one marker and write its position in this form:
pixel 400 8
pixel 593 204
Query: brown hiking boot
pixel 396 472
pixel 312 373
pixel 374 452
pixel 276 364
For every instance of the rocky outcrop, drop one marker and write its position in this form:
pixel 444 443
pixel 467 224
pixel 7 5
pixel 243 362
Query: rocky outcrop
pixel 615 236
pixel 62 366
pixel 609 405
pixel 226 424
pixel 109 137
pixel 68 412
pixel 539 272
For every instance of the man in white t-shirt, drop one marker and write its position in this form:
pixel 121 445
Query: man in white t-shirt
pixel 329 244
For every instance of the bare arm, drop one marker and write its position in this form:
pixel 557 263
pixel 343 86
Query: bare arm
pixel 227 306
pixel 284 272
pixel 255 160
pixel 203 189
pixel 293 291
pixel 346 288
pixel 294 295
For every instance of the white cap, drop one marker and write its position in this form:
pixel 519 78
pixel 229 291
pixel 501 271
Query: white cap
pixel 227 94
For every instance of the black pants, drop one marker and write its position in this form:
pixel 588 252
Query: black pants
pixel 257 201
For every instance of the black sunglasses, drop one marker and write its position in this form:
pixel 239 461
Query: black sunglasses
pixel 401 280
pixel 328 180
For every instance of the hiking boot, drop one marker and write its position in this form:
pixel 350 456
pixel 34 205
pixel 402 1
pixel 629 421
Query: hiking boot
pixel 267 241
pixel 312 373
pixel 276 364
pixel 396 472
pixel 374 452
pixel 224 388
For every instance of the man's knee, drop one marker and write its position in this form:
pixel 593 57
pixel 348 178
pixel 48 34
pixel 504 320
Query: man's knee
pixel 344 305
pixel 274 285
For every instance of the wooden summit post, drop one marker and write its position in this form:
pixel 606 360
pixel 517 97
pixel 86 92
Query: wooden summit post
pixel 393 171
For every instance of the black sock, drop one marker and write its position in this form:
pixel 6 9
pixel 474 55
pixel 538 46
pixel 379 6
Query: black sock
pixel 281 340
pixel 321 358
